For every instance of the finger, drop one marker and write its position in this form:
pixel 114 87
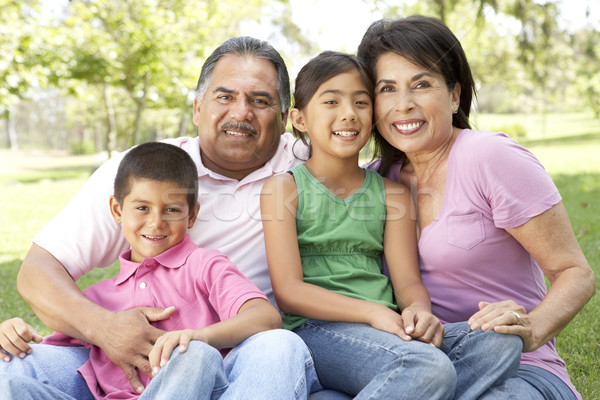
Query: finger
pixel 157 314
pixel 409 319
pixel 133 378
pixel 15 344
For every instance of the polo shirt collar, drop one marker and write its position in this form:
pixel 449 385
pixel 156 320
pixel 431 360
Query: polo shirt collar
pixel 174 257
pixel 279 163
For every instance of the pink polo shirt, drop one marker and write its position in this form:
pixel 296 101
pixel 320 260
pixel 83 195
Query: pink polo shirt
pixel 83 235
pixel 203 285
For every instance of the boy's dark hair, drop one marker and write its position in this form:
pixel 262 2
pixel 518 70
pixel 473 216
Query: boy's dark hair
pixel 159 162
pixel 320 69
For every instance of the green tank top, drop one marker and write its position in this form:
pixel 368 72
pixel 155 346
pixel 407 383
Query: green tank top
pixel 341 240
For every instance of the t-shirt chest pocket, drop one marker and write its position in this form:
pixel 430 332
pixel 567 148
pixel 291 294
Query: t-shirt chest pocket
pixel 465 231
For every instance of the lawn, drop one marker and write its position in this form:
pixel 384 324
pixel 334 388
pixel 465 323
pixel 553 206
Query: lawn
pixel 568 147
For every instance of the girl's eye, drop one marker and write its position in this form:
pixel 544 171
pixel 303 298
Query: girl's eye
pixel 330 102
pixel 142 208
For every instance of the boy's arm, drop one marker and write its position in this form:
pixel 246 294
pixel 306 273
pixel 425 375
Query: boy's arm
pixel 15 334
pixel 400 249
pixel 254 316
pixel 126 336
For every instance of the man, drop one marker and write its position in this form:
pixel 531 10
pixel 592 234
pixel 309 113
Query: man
pixel 241 106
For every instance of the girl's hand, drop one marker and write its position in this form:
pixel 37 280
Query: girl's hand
pixel 506 317
pixel 423 326
pixel 14 336
pixel 164 346
pixel 388 320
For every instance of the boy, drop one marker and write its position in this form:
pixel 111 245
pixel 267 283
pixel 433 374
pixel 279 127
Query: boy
pixel 212 305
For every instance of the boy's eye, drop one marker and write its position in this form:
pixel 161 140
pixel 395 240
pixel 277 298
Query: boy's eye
pixel 172 210
pixel 142 208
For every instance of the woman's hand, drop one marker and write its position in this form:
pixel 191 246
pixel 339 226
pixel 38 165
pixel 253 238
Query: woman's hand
pixel 423 326
pixel 15 334
pixel 506 317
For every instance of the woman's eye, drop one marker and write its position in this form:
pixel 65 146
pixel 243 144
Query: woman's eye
pixel 385 89
pixel 422 85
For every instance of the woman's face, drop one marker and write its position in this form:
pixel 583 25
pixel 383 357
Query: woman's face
pixel 413 106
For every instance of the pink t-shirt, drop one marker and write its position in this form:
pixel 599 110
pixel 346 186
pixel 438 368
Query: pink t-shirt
pixel 466 255
pixel 203 285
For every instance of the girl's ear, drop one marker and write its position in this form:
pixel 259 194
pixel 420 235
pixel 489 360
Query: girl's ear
pixel 193 215
pixel 115 209
pixel 297 118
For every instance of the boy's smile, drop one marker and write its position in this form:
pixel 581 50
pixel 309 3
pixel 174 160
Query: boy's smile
pixel 154 216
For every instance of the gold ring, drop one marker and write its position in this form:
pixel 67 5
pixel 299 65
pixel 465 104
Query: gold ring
pixel 518 317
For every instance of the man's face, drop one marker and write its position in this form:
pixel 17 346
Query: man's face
pixel 239 119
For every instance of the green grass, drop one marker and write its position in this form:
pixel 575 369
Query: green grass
pixel 30 199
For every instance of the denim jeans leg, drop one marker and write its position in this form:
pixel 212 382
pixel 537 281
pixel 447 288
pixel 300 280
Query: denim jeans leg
pixel 52 367
pixel 274 364
pixel 372 364
pixel 532 383
pixel 481 359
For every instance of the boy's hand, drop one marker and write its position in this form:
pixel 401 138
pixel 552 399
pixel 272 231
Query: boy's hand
pixel 423 326
pixel 164 346
pixel 14 336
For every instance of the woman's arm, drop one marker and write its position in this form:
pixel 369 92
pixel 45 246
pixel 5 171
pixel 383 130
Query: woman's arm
pixel 279 203
pixel 550 240
pixel 400 249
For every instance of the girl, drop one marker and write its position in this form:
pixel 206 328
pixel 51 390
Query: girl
pixel 326 225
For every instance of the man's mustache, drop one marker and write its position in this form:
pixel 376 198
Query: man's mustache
pixel 238 126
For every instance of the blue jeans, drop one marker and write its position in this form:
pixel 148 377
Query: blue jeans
pixel 269 365
pixel 372 364
pixel 481 360
pixel 532 383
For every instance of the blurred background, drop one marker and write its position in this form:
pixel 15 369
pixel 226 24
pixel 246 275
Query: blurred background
pixel 82 79
pixel 95 76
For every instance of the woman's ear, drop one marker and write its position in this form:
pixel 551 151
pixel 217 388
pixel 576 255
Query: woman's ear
pixel 456 96
pixel 297 118
pixel 115 209
pixel 193 215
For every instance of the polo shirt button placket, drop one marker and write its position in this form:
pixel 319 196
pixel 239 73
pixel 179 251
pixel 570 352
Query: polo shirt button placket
pixel 143 285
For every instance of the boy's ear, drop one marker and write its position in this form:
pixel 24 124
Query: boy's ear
pixel 193 215
pixel 297 118
pixel 115 209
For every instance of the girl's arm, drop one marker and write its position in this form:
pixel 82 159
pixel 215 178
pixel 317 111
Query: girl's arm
pixel 549 239
pixel 254 316
pixel 400 249
pixel 279 203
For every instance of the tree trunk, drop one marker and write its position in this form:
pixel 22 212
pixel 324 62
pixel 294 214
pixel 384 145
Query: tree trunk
pixel 111 122
pixel 140 105
pixel 11 132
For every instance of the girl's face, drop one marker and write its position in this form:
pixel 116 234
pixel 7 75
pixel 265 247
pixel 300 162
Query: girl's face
pixel 338 116
pixel 413 106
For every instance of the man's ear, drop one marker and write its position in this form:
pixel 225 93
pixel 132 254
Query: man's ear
pixel 284 118
pixel 115 209
pixel 193 216
pixel 297 118
pixel 196 111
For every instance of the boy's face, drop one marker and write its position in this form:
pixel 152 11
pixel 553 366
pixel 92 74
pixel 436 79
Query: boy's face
pixel 154 216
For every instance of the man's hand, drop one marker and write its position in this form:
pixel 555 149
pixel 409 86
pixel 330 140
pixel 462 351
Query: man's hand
pixel 128 339
pixel 15 334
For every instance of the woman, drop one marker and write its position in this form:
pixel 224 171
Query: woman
pixel 491 222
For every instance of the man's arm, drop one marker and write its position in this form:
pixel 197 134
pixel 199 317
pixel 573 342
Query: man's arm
pixel 126 336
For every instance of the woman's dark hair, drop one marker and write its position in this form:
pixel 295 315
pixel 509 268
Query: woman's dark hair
pixel 429 43
pixel 320 69
pixel 158 162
